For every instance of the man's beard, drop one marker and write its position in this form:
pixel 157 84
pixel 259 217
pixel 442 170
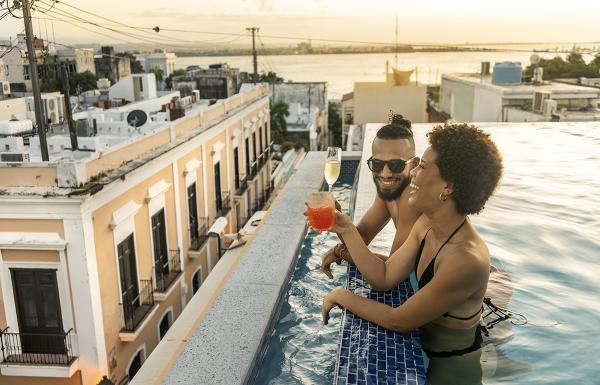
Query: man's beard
pixel 390 195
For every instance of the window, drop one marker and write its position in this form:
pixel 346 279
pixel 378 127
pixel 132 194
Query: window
pixel 159 238
pixel 261 139
pixel 128 275
pixel 254 144
pixel 196 281
pixel 236 168
pixel 38 310
pixel 247 156
pixel 136 364
pixel 218 199
pixel 193 214
pixel 165 324
pixel 26 73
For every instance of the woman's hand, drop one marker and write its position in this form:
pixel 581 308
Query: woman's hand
pixel 329 302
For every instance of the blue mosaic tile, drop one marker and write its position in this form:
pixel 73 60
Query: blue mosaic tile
pixel 369 354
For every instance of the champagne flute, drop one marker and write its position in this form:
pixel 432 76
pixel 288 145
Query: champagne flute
pixel 333 164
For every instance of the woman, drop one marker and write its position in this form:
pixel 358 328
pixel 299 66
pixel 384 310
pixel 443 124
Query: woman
pixel 457 174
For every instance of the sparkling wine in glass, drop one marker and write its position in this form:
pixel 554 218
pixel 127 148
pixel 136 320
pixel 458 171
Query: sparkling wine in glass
pixel 333 163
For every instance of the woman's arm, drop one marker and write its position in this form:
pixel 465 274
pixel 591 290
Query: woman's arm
pixel 450 287
pixel 382 275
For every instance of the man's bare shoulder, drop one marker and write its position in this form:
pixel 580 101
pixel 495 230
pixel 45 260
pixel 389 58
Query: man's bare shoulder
pixel 401 211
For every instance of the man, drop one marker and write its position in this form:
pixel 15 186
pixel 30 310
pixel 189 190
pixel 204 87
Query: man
pixel 393 157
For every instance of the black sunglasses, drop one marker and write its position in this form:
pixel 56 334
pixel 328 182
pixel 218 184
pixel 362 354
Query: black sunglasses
pixel 395 165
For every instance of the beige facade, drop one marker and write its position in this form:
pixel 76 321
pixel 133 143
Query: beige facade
pixel 373 102
pixel 108 257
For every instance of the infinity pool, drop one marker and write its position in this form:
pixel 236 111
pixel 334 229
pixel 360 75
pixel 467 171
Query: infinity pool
pixel 543 228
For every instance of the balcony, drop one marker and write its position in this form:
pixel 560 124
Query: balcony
pixel 136 305
pixel 200 236
pixel 253 170
pixel 37 348
pixel 243 186
pixel 223 205
pixel 167 272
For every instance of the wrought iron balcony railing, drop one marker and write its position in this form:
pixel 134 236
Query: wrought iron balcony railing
pixel 243 186
pixel 137 305
pixel 167 270
pixel 223 205
pixel 201 235
pixel 253 170
pixel 37 348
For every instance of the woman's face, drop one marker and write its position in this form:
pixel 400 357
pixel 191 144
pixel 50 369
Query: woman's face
pixel 426 184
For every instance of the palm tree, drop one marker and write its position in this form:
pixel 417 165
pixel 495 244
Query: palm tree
pixel 279 111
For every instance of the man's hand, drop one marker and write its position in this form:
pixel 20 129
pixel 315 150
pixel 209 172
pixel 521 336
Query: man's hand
pixel 330 257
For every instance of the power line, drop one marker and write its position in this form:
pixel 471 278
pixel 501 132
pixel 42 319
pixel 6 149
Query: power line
pixel 156 29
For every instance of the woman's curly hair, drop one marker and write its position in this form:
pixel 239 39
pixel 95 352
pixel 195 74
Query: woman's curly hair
pixel 469 159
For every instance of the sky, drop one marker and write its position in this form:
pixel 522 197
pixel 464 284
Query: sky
pixel 424 21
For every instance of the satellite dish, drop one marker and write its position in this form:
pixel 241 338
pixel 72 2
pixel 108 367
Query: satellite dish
pixel 534 59
pixel 137 118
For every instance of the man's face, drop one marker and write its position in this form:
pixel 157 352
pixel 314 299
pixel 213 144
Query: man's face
pixel 389 184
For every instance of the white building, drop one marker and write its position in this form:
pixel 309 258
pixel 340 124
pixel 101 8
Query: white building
pixel 373 101
pixel 79 60
pixel 159 58
pixel 474 98
pixel 307 103
pixel 134 88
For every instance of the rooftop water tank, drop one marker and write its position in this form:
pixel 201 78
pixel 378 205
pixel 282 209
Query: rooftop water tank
pixel 507 73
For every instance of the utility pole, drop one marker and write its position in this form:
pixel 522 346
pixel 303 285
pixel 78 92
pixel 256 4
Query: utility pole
pixel 37 97
pixel 254 30
pixel 68 112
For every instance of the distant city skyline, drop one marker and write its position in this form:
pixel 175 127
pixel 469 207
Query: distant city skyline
pixel 427 21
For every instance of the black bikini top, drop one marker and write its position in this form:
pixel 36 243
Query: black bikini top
pixel 428 273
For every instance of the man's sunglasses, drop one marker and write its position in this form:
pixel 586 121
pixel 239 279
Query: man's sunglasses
pixel 395 165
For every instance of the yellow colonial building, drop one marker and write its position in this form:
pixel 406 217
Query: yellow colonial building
pixel 102 248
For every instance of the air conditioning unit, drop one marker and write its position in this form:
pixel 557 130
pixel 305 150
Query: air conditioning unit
pixel 14 157
pixel 549 107
pixel 4 88
pixel 538 100
pixel 51 110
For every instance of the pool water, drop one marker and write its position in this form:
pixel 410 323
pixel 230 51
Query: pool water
pixel 302 350
pixel 542 227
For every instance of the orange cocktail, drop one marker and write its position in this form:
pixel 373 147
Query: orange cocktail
pixel 321 218
pixel 320 211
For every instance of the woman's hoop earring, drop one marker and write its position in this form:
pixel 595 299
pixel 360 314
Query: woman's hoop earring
pixel 443 197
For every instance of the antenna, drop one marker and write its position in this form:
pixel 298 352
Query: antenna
pixel 396 55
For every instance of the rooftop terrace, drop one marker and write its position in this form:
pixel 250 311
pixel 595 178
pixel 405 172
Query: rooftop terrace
pixel 117 148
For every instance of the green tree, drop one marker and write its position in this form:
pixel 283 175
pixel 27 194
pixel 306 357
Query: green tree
pixel 158 73
pixel 334 124
pixel 135 65
pixel 279 111
pixel 573 67
pixel 269 77
pixel 85 81
pixel 169 79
